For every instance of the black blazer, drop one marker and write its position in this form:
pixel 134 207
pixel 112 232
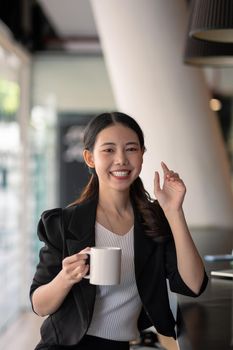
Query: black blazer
pixel 68 231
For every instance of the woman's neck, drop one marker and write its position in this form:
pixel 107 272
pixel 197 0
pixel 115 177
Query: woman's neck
pixel 115 212
pixel 117 202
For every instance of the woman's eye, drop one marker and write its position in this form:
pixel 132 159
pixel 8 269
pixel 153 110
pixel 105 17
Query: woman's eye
pixel 131 149
pixel 108 150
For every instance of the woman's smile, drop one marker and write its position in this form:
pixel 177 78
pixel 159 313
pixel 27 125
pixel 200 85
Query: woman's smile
pixel 121 174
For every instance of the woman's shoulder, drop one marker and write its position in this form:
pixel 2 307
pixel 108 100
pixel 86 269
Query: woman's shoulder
pixel 59 212
pixel 51 213
pixel 51 217
pixel 55 218
pixel 50 225
pixel 53 221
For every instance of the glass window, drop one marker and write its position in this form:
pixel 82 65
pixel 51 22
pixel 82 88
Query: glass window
pixel 10 183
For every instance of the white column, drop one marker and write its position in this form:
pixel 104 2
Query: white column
pixel 143 44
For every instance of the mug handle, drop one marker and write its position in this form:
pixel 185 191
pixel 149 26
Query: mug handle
pixel 88 276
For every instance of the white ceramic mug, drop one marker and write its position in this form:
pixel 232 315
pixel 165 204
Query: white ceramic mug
pixel 105 265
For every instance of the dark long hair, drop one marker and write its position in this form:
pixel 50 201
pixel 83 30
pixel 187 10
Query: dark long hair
pixel 144 203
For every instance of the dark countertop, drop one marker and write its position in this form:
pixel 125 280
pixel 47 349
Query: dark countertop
pixel 208 319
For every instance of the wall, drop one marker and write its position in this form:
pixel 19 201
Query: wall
pixel 76 83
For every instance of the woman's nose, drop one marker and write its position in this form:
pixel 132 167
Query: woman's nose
pixel 121 158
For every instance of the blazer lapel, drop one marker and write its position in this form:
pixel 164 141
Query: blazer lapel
pixel 143 245
pixel 82 227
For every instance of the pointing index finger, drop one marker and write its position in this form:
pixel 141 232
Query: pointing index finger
pixel 165 168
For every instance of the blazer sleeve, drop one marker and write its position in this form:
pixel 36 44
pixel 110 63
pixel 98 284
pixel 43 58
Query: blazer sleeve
pixel 50 232
pixel 176 282
pixel 177 285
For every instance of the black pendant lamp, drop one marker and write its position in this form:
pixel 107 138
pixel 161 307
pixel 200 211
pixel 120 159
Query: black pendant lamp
pixel 206 53
pixel 212 20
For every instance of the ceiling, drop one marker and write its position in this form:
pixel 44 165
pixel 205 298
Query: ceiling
pixel 74 25
pixel 69 26
pixel 75 20
pixel 44 25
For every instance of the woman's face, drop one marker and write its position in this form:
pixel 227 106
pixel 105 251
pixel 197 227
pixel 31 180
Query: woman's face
pixel 117 157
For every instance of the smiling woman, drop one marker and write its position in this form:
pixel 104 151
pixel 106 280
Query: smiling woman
pixel 115 210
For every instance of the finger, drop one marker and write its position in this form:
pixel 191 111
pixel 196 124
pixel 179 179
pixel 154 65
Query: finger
pixel 79 269
pixel 86 270
pixel 165 168
pixel 80 272
pixel 75 266
pixel 87 249
pixel 173 176
pixel 156 183
pixel 73 259
pixel 82 254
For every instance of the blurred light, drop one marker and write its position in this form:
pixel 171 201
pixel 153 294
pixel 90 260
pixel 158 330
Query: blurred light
pixel 9 137
pixel 215 104
pixel 2 54
pixel 38 118
pixel 13 61
pixel 9 96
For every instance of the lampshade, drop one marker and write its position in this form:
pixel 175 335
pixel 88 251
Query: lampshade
pixel 207 53
pixel 212 20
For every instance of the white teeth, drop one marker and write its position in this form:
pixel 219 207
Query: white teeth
pixel 120 173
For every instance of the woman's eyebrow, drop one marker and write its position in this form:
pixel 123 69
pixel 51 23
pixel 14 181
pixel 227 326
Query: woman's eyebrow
pixel 132 143
pixel 113 143
pixel 107 144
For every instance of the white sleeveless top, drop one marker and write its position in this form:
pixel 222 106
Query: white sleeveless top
pixel 117 307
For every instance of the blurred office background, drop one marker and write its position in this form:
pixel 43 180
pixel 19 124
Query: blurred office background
pixel 61 63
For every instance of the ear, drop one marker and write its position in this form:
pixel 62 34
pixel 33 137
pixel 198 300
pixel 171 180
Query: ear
pixel 88 158
pixel 143 152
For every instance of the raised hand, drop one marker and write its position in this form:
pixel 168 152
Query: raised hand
pixel 171 194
